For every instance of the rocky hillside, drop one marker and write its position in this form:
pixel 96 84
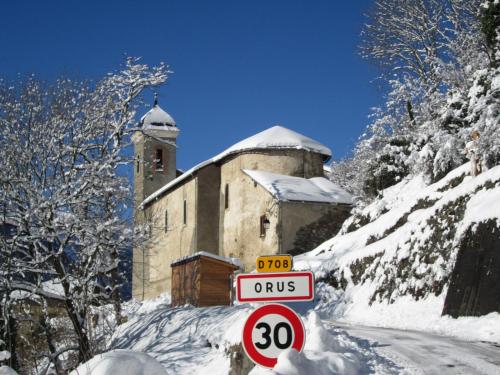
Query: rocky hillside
pixel 393 262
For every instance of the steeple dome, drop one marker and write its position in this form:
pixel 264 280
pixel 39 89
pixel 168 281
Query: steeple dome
pixel 156 117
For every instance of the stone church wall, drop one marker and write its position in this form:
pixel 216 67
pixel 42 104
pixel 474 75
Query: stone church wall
pixel 168 245
pixel 239 230
pixel 208 192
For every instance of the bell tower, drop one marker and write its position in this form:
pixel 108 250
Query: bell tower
pixel 154 152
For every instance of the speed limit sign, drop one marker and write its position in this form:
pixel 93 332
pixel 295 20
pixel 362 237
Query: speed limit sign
pixel 269 330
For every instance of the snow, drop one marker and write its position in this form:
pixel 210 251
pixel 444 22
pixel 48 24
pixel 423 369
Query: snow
pixel 346 331
pixel 185 340
pixel 49 288
pixel 4 355
pixel 123 362
pixel 276 137
pixel 390 244
pixel 289 188
pixel 188 340
pixel 6 370
pixel 484 205
pixel 234 261
pixel 156 116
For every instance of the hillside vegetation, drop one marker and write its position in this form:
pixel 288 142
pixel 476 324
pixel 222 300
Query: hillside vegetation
pixel 393 259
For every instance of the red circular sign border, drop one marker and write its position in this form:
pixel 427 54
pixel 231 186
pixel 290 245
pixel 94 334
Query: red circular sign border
pixel 273 308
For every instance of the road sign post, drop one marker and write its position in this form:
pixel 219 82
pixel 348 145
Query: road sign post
pixel 275 287
pixel 269 330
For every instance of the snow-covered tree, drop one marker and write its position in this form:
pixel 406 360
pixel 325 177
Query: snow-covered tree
pixel 63 149
pixel 438 61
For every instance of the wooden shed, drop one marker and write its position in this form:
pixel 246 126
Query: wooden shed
pixel 202 279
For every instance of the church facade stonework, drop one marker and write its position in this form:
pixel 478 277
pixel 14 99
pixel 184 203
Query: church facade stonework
pixel 250 200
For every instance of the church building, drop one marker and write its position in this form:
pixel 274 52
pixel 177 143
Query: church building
pixel 264 195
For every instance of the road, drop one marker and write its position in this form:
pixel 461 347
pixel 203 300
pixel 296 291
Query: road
pixel 427 353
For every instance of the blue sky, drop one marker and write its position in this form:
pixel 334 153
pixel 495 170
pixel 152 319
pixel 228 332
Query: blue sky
pixel 239 66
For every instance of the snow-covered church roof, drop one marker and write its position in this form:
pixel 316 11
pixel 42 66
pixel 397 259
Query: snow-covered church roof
pixel 279 137
pixel 276 137
pixel 290 188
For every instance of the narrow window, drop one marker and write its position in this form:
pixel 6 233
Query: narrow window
pixel 226 197
pixel 138 163
pixel 159 159
pixel 185 211
pixel 264 225
pixel 166 221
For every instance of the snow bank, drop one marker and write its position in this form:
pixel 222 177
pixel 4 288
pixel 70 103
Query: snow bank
pixel 391 263
pixel 160 302
pixel 188 340
pixel 121 362
pixel 6 370
pixel 185 340
pixel 328 351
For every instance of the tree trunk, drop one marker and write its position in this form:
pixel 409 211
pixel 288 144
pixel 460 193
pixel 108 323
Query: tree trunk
pixel 47 329
pixel 77 317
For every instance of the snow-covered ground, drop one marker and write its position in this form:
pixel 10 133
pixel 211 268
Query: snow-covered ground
pixel 360 326
pixel 188 340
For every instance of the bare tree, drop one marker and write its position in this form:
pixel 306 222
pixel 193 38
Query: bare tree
pixel 414 37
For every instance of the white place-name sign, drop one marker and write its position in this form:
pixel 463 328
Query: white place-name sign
pixel 273 287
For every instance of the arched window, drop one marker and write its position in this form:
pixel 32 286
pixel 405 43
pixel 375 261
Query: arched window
pixel 159 159
pixel 166 221
pixel 265 224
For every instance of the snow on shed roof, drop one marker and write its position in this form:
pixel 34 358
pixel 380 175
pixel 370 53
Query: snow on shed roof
pixel 233 261
pixel 276 137
pixel 289 188
pixel 156 116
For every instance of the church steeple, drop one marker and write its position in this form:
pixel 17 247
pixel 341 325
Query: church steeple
pixel 157 117
pixel 155 152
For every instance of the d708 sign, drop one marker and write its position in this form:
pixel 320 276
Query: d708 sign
pixel 274 263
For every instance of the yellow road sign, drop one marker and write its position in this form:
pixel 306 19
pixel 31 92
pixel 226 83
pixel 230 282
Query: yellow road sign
pixel 274 263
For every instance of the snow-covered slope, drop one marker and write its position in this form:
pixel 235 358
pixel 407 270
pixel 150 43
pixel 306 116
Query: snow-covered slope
pixel 391 263
pixel 189 340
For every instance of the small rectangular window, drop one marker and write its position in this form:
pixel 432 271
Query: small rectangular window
pixel 166 221
pixel 138 163
pixel 185 212
pixel 159 159
pixel 226 197
pixel 264 225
